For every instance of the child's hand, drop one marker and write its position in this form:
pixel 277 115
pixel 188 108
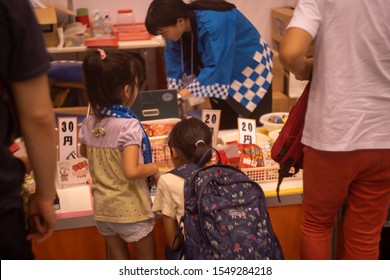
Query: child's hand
pixel 154 178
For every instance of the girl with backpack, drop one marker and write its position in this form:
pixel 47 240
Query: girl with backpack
pixel 187 142
pixel 211 211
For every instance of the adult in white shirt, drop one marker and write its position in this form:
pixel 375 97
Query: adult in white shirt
pixel 347 131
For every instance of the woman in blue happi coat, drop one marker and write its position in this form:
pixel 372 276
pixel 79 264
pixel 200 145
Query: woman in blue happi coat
pixel 214 51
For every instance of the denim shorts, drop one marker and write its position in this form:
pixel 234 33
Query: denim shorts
pixel 130 232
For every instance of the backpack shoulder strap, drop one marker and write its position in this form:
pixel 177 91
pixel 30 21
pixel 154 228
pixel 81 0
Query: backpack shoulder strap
pixel 185 170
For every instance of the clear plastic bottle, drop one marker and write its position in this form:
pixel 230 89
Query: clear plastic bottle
pixel 97 24
pixel 107 26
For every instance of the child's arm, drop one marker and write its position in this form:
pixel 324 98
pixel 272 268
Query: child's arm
pixel 83 150
pixel 170 228
pixel 131 167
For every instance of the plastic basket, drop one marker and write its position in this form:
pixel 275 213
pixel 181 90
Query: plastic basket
pixel 158 143
pixel 267 174
pixel 160 152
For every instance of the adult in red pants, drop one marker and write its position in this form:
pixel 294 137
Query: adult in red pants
pixel 347 153
pixel 330 177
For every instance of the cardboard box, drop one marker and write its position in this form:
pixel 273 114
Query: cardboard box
pixel 280 18
pixel 293 87
pixel 292 101
pixel 278 73
pixel 47 19
pixel 280 102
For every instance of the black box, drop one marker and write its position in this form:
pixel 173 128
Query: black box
pixel 156 104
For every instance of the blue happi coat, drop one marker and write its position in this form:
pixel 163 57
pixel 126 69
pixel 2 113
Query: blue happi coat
pixel 237 61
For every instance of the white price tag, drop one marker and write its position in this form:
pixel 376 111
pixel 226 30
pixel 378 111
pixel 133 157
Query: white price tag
pixel 212 118
pixel 246 131
pixel 67 138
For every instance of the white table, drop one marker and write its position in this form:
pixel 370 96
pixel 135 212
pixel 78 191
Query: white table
pixel 155 42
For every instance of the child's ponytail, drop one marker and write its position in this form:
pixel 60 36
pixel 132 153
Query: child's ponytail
pixel 193 138
pixel 200 150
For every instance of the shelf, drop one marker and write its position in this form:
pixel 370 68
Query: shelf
pixel 155 42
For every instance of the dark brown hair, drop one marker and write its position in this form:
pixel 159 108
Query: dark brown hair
pixel 106 77
pixel 163 13
pixel 188 136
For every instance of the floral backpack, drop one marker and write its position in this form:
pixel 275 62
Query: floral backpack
pixel 225 215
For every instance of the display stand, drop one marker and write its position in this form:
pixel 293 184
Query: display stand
pixel 77 238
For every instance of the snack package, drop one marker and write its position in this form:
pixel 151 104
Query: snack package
pixel 28 188
pixel 255 153
pixel 158 129
pixel 230 154
pixel 14 147
pixel 222 156
pixel 242 155
pixel 268 161
pixel 246 161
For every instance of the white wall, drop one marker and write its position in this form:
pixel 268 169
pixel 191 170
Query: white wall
pixel 257 11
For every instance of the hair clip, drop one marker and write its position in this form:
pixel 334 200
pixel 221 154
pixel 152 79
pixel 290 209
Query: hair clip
pixel 103 54
pixel 98 131
pixel 198 142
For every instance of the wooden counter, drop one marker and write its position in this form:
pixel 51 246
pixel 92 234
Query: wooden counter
pixel 86 243
pixel 78 239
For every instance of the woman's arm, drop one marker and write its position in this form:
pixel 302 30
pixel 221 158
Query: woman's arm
pixel 173 63
pixel 38 127
pixel 133 169
pixel 292 53
pixel 216 37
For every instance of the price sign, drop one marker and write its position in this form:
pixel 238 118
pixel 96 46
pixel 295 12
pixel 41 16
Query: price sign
pixel 246 131
pixel 212 118
pixel 73 173
pixel 67 138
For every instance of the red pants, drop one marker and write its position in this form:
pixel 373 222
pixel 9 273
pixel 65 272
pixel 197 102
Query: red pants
pixel 361 179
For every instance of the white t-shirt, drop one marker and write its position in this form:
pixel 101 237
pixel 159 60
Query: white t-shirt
pixel 169 198
pixel 349 102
